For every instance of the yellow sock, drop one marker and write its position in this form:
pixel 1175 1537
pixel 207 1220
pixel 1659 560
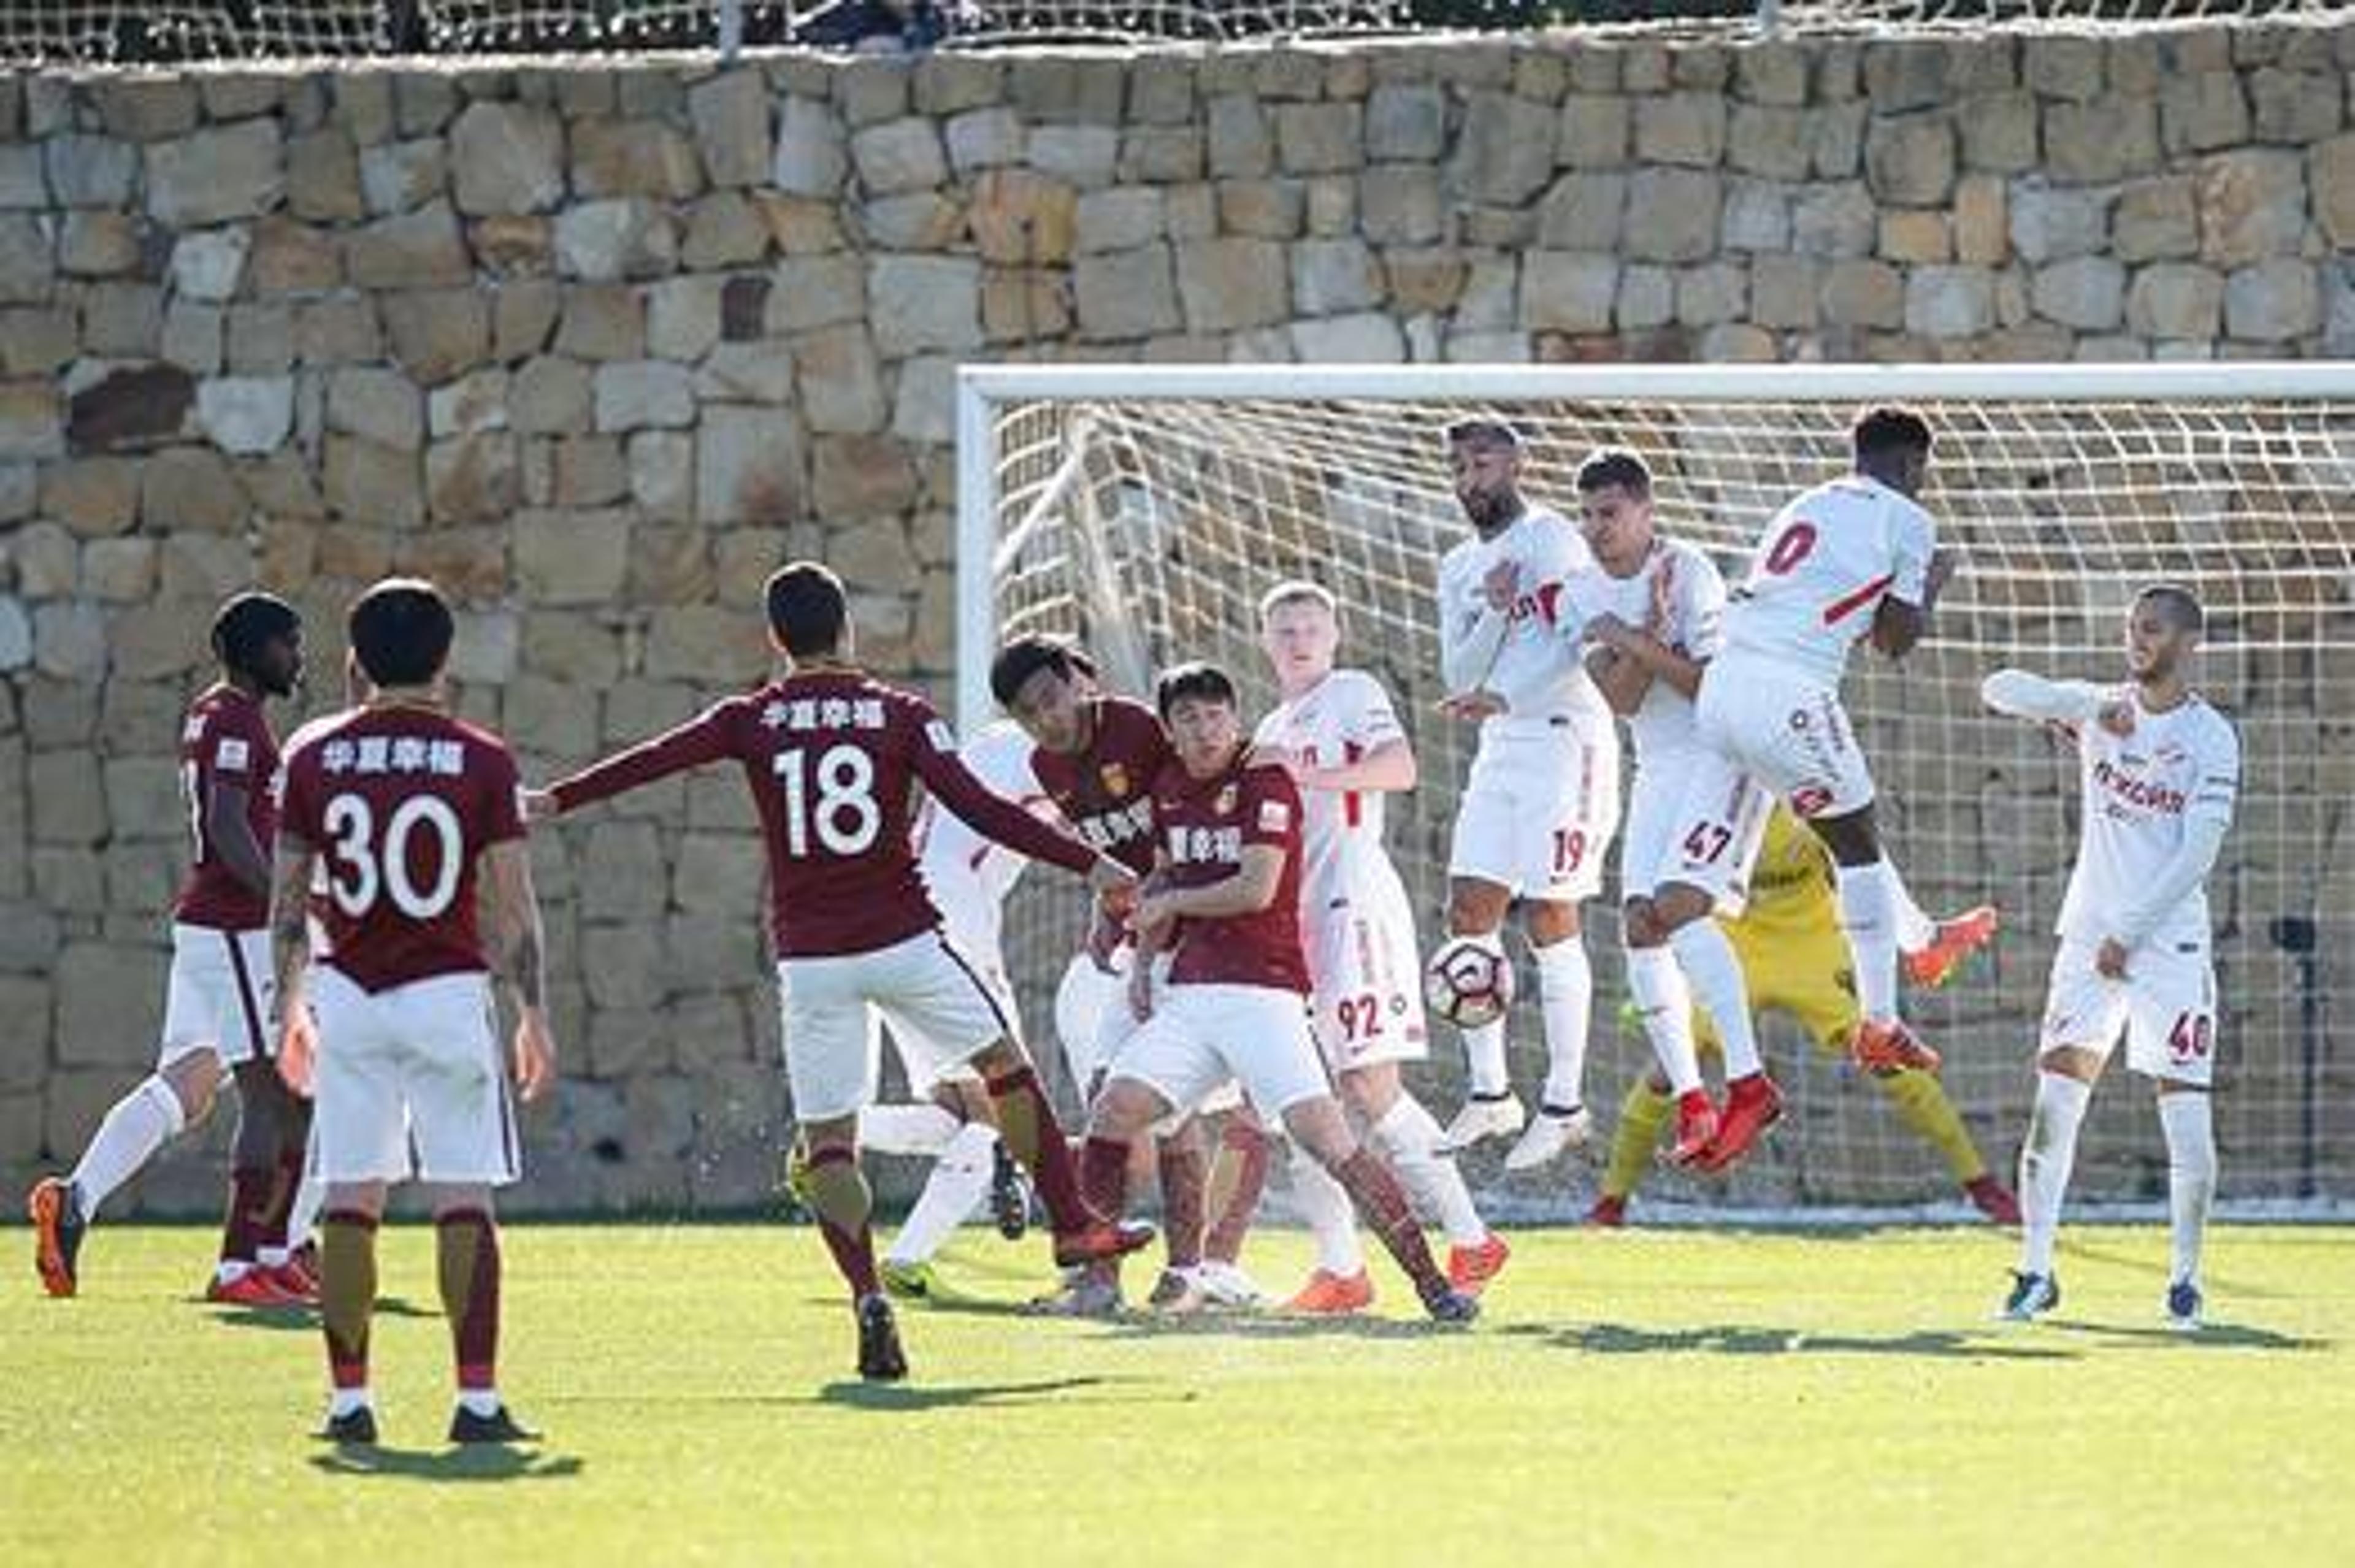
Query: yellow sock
pixel 1642 1116
pixel 1922 1105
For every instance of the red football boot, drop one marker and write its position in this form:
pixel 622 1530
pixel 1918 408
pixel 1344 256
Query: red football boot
pixel 1751 1106
pixel 257 1286
pixel 1469 1269
pixel 1993 1198
pixel 1096 1243
pixel 1697 1124
pixel 1609 1213
pixel 1957 940
pixel 1890 1047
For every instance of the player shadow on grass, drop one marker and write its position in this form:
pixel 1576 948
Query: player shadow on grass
pixel 1758 1340
pixel 282 1318
pixel 2209 1336
pixel 861 1395
pixel 472 1463
pixel 1135 1325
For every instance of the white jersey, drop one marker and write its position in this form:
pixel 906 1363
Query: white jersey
pixel 967 875
pixel 1515 655
pixel 1662 726
pixel 2140 791
pixel 1344 717
pixel 1822 568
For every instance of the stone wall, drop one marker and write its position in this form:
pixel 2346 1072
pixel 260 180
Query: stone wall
pixel 596 347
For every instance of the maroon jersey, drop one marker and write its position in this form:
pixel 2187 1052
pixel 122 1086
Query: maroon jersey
pixel 400 804
pixel 1105 792
pixel 832 758
pixel 225 739
pixel 1204 826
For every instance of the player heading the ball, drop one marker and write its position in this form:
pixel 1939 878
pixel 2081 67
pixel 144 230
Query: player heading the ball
pixel 832 757
pixel 2159 773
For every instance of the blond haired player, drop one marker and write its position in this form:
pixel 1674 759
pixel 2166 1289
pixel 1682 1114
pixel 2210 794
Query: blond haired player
pixel 1854 556
pixel 1541 801
pixel 1347 749
pixel 2159 770
pixel 1787 938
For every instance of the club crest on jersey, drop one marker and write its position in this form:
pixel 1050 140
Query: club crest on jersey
pixel 1225 803
pixel 1115 778
pixel 1275 816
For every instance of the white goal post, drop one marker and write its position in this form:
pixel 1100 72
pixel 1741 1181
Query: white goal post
pixel 1145 509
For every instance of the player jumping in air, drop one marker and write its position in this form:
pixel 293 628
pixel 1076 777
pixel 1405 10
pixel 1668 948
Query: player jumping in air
pixel 219 1009
pixel 1347 749
pixel 1542 798
pixel 2160 773
pixel 406 811
pixel 1225 900
pixel 1850 558
pixel 832 756
pixel 1795 961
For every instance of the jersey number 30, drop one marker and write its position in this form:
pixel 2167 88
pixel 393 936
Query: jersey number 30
pixel 364 867
pixel 843 815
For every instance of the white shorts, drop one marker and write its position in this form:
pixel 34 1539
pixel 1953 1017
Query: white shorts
pixel 1367 969
pixel 940 1010
pixel 1787 731
pixel 930 1063
pixel 413 1071
pixel 1201 1038
pixel 1539 810
pixel 222 995
pixel 2166 1004
pixel 1091 1016
pixel 1693 817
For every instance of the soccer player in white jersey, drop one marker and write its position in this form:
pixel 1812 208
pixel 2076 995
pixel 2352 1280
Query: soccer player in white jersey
pixel 1649 618
pixel 1336 730
pixel 2159 770
pixel 1853 557
pixel 1542 798
pixel 949 1120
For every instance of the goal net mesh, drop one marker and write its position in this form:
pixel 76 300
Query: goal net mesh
pixel 1149 528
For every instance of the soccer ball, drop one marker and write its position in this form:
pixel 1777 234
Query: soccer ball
pixel 1469 981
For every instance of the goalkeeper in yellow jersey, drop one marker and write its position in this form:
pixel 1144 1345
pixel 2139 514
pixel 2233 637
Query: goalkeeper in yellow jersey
pixel 1797 961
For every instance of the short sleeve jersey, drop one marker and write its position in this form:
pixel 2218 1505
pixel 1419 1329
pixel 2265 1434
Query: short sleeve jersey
pixel 968 873
pixel 226 740
pixel 1203 827
pixel 1529 671
pixel 1663 725
pixel 2139 792
pixel 1821 570
pixel 1341 721
pixel 832 758
pixel 1105 792
pixel 400 805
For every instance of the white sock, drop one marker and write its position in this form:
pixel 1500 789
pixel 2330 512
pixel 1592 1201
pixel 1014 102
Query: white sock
pixel 1715 974
pixel 2188 1118
pixel 1484 1054
pixel 906 1129
pixel 959 1181
pixel 1566 992
pixel 1409 1138
pixel 1665 1001
pixel 479 1401
pixel 1332 1221
pixel 1866 918
pixel 2045 1156
pixel 342 1401
pixel 1915 930
pixel 139 1124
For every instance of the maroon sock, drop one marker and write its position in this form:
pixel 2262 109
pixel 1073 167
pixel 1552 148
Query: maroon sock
pixel 1103 1175
pixel 1241 1170
pixel 1184 1173
pixel 250 1199
pixel 838 1196
pixel 467 1242
pixel 1382 1204
pixel 1027 1124
pixel 347 1293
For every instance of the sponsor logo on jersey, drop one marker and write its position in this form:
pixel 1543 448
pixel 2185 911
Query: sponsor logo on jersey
pixel 2149 793
pixel 1275 816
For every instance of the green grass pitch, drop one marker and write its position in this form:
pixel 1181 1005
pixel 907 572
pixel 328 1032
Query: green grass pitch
pixel 1686 1397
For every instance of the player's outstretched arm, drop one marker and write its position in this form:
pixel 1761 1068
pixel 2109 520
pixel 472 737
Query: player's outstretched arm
pixel 2023 695
pixel 701 740
pixel 519 947
pixel 993 816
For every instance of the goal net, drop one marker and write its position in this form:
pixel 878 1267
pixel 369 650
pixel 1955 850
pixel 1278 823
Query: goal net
pixel 1144 510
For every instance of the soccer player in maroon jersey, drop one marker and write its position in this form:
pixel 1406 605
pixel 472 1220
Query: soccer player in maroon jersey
pixel 1097 757
pixel 218 1012
pixel 406 811
pixel 832 756
pixel 1225 899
